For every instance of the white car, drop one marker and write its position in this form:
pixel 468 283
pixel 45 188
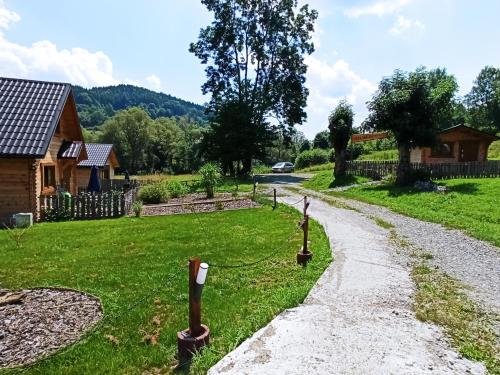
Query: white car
pixel 283 167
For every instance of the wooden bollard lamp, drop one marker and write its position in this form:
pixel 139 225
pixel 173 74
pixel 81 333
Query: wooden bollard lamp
pixel 304 255
pixel 193 339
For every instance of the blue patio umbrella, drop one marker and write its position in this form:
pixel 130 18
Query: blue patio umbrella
pixel 94 185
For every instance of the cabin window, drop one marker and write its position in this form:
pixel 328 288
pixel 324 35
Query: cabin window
pixel 443 150
pixel 49 176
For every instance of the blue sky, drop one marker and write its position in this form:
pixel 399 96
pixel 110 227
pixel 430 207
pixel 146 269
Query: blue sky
pixel 96 43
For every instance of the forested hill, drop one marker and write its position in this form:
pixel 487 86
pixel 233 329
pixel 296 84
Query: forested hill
pixel 97 104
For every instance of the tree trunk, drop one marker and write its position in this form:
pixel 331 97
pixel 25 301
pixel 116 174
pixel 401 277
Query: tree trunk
pixel 403 173
pixel 340 163
pixel 247 166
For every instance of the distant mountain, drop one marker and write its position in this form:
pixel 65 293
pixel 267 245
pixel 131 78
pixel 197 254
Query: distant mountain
pixel 97 104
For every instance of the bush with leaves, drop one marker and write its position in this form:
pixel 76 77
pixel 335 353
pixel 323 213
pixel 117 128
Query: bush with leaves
pixel 137 208
pixel 210 174
pixel 154 193
pixel 176 189
pixel 312 157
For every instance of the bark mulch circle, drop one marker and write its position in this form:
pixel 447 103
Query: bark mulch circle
pixel 44 321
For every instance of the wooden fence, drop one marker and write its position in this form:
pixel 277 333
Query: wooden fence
pixel 113 185
pixel 86 205
pixel 378 169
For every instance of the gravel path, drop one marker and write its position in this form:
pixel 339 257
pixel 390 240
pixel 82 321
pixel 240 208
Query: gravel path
pixel 45 321
pixel 473 262
pixel 356 320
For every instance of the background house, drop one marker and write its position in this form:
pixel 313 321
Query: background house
pixel 41 143
pixel 102 156
pixel 455 145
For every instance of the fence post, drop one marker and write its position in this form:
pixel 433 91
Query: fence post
pixel 275 202
pixel 305 255
pixel 197 335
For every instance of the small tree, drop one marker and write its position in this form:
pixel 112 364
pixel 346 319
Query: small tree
pixel 411 106
pixel 305 146
pixel 322 140
pixel 340 125
pixel 210 176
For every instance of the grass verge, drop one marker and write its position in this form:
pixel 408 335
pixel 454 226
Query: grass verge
pixel 324 180
pixel 440 299
pixel 127 260
pixel 472 205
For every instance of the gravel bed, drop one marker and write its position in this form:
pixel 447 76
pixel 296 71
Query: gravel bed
pixel 46 320
pixel 198 198
pixel 473 262
pixel 199 207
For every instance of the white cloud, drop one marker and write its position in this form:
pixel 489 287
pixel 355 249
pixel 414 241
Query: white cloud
pixel 328 84
pixel 7 17
pixel 379 8
pixel 153 82
pixel 43 60
pixel 403 25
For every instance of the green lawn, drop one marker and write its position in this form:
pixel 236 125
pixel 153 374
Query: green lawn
pixel 323 180
pixel 380 155
pixel 123 260
pixel 473 205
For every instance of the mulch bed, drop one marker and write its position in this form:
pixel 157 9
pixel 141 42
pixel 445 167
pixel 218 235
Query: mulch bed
pixel 194 203
pixel 42 322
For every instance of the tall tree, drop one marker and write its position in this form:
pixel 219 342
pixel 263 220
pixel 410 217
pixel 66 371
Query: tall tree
pixel 340 125
pixel 483 102
pixel 255 52
pixel 128 131
pixel 322 140
pixel 411 106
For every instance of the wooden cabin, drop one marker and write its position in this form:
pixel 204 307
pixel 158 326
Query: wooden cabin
pixel 41 144
pixel 103 157
pixel 457 144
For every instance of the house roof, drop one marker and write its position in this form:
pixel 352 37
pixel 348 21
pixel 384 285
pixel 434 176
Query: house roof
pixel 97 153
pixel 70 150
pixel 471 130
pixel 29 114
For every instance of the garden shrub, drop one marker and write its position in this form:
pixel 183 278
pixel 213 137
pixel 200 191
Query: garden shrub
pixel 137 208
pixel 210 176
pixel 176 189
pixel 312 157
pixel 154 193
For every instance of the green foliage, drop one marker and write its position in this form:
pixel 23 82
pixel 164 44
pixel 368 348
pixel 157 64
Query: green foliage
pixel 137 208
pixel 144 144
pixel 322 140
pixel 98 104
pixel 137 268
pixel 154 193
pixel 210 176
pixel 411 105
pixel 312 157
pixel 254 52
pixel 483 101
pixel 494 151
pixel 176 189
pixel 340 125
pixel 472 205
pixel 305 146
pixel 317 168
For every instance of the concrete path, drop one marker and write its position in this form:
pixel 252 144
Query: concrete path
pixel 356 320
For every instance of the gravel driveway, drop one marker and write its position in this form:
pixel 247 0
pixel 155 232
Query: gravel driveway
pixel 473 262
pixel 356 320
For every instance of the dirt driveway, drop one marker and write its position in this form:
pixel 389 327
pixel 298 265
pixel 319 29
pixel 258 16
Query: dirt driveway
pixel 356 320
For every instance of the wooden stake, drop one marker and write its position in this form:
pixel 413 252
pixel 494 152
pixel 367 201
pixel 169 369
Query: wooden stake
pixel 275 203
pixel 194 302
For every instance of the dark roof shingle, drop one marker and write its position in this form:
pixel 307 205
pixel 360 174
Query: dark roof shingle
pixel 97 155
pixel 29 113
pixel 70 150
